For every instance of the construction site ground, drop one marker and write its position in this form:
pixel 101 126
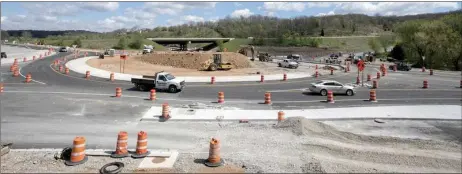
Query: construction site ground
pixel 295 145
pixel 144 65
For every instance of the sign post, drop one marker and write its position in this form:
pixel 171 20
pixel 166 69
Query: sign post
pixel 122 68
pixel 361 68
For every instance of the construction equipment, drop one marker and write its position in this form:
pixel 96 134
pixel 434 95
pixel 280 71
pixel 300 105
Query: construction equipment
pixel 264 57
pixel 218 64
pixel 245 51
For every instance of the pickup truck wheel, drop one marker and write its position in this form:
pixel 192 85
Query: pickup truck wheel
pixel 279 64
pixel 142 87
pixel 172 89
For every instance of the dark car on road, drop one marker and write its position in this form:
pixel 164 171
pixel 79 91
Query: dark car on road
pixel 4 55
pixel 63 49
pixel 401 66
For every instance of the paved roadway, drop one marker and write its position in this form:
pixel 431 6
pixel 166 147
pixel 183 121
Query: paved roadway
pixel 55 107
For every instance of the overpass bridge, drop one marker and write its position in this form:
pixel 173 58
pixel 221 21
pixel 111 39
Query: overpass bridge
pixel 184 42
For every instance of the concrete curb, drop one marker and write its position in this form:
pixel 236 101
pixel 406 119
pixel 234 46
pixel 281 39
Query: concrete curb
pixel 80 66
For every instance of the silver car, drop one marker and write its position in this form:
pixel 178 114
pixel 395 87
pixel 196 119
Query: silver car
pixel 323 86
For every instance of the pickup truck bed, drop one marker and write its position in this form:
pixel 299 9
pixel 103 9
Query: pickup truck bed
pixel 144 84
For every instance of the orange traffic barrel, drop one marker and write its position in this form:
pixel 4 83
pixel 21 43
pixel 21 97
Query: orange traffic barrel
pixel 25 59
pixel 431 72
pixel 15 61
pixel 331 71
pixel 12 67
pixel 152 95
pixel 330 97
pixel 78 152
pixel 165 111
pixel 214 159
pixel 66 71
pixel 28 78
pixel 212 80
pixel 118 92
pixel 378 75
pixel 368 77
pixel 262 78
pixel 423 69
pixel 141 145
pixel 122 145
pixel 316 74
pixel 221 97
pixel 280 116
pixel 61 68
pixel 16 73
pixel 267 98
pixel 87 75
pixel 372 96
pixel 374 84
pixel 111 77
pixel 425 84
pixel 284 77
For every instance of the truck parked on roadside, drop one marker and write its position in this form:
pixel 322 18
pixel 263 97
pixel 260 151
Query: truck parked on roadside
pixel 287 63
pixel 160 81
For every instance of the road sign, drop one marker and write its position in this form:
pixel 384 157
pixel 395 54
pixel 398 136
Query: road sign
pixel 361 65
pixel 123 57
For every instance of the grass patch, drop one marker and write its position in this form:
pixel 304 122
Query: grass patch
pixel 347 44
pixel 235 44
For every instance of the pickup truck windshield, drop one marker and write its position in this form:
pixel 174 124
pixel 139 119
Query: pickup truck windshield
pixel 169 76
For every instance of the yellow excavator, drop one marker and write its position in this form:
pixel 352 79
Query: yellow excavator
pixel 218 64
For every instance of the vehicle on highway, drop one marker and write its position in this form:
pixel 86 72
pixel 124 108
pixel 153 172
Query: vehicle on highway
pixel 4 55
pixel 160 81
pixel 401 66
pixel 295 57
pixel 323 86
pixel 287 63
pixel 63 49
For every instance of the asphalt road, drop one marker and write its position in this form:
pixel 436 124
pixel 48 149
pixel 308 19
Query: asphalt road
pixel 53 108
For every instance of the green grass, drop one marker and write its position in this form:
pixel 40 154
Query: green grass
pixel 347 44
pixel 235 44
pixel 104 43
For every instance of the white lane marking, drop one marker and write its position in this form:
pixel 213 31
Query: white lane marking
pixel 246 101
pixel 31 79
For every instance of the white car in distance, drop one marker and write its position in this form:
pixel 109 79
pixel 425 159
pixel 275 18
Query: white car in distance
pixel 323 86
pixel 287 63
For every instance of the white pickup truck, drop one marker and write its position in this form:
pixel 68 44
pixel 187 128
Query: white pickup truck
pixel 287 63
pixel 160 81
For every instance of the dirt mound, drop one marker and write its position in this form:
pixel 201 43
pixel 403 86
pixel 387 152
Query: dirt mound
pixel 302 126
pixel 195 60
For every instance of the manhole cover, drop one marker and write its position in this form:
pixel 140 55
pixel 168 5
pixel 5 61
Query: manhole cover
pixel 158 160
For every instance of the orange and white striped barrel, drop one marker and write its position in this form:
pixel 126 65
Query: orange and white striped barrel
pixel 316 74
pixel 330 97
pixel 111 77
pixel 78 150
pixel 16 73
pixel 262 78
pixel 60 68
pixel 374 84
pixel 425 84
pixel 280 116
pixel 384 73
pixel 284 77
pixel 152 95
pixel 142 144
pixel 87 75
pixel 431 72
pixel 165 111
pixel 221 97
pixel 267 98
pixel 1 87
pixel 12 67
pixel 372 96
pixel 28 78
pixel 212 80
pixel 118 92
pixel 378 75
pixel 423 69
pixel 368 77
pixel 316 67
pixel 24 59
pixel 331 71
pixel 122 145
pixel 214 151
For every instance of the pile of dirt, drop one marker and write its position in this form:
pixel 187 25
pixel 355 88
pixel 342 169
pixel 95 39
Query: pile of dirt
pixel 301 126
pixel 194 60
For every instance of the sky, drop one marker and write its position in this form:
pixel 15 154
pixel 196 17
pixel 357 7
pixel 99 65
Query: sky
pixel 109 16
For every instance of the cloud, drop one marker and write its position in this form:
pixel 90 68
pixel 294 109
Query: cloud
pixel 45 18
pixel 237 4
pixel 191 18
pixel 284 6
pixel 243 12
pixel 392 8
pixel 175 8
pixel 214 19
pixel 100 6
pixel 326 14
pixel 4 18
pixel 321 4
pixel 17 18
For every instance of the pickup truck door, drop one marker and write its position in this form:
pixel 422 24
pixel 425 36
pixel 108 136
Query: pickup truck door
pixel 161 82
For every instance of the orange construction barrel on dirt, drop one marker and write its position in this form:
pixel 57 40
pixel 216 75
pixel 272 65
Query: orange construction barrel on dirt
pixel 431 72
pixel 284 77
pixel 165 111
pixel 368 77
pixel 330 97
pixel 280 116
pixel 212 80
pixel 374 84
pixel 111 77
pixel 118 92
pixel 214 159
pixel 425 84
pixel 221 97
pixel 372 96
pixel 141 145
pixel 378 75
pixel 152 95
pixel 28 78
pixel 66 70
pixel 87 75
pixel 78 152
pixel 122 146
pixel 267 98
